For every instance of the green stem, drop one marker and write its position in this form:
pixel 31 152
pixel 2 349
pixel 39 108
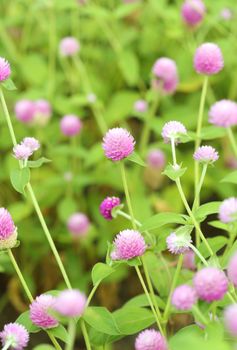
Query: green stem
pixel 197 196
pixel 85 335
pixel 71 335
pixel 92 294
pixel 232 140
pixel 128 217
pixel 8 118
pixel 201 317
pixel 7 345
pixel 196 251
pixel 54 340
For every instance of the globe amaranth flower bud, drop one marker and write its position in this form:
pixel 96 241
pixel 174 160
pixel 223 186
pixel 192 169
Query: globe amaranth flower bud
pixel 118 144
pixel 41 311
pixel 24 110
pixel 8 231
pixel 178 243
pixel 232 269
pixel 128 244
pixel 42 112
pixel 223 113
pixel 228 210
pixel 69 46
pixel 70 125
pixel 78 224
pixel 193 12
pixel 166 75
pixel 5 69
pixel 184 297
pixel 208 59
pixel 156 159
pixel 140 106
pixel 70 303
pixel 15 335
pixel 150 339
pixel 173 130
pixel 206 154
pixel 107 206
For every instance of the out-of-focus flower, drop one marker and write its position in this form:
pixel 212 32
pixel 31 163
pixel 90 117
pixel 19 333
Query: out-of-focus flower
pixel 232 270
pixel 118 144
pixel 22 152
pixel 15 335
pixel 189 260
pixel 24 110
pixel 78 224
pixel 128 244
pixel 173 130
pixel 41 311
pixel 32 143
pixel 223 113
pixel 42 113
pixel 150 339
pixel 70 303
pixel 226 14
pixel 206 154
pixel 230 319
pixel 8 231
pixel 5 69
pixel 166 75
pixel 91 98
pixel 70 125
pixel 69 46
pixel 208 59
pixel 184 297
pixel 140 106
pixel 178 244
pixel 193 12
pixel 107 206
pixel 156 159
pixel 228 210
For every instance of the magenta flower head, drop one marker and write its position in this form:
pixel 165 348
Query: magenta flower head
pixel 8 231
pixel 173 130
pixel 230 319
pixel 70 125
pixel 184 297
pixel 206 154
pixel 156 159
pixel 228 210
pixel 178 244
pixel 128 244
pixel 140 106
pixel 42 113
pixel 208 59
pixel 166 75
pixel 193 12
pixel 107 206
pixel 5 69
pixel 78 224
pixel 24 110
pixel 41 311
pixel 189 260
pixel 70 303
pixel 223 113
pixel 22 152
pixel 232 270
pixel 150 339
pixel 32 143
pixel 69 46
pixel 118 144
pixel 15 335
pixel 210 284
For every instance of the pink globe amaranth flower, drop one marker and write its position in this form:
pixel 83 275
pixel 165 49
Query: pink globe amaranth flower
pixel 5 69
pixel 16 335
pixel 173 130
pixel 118 144
pixel 32 143
pixel 69 46
pixel 223 113
pixel 70 303
pixel 228 210
pixel 91 98
pixel 107 205
pixel 230 319
pixel 70 125
pixel 24 110
pixel 150 339
pixel 178 244
pixel 193 12
pixel 232 269
pixel 210 284
pixel 156 159
pixel 184 297
pixel 8 231
pixel 140 106
pixel 208 59
pixel 40 311
pixel 166 75
pixel 42 113
pixel 206 154
pixel 128 244
pixel 226 14
pixel 22 152
pixel 78 224
pixel 189 260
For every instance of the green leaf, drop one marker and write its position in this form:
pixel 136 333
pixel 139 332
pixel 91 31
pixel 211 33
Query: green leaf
pixel 216 243
pixel 162 219
pixel 9 85
pixel 129 66
pixel 37 163
pixel 126 9
pixel 134 262
pixel 44 347
pixel 60 333
pixel 20 178
pixel 173 173
pixel 231 178
pixel 24 320
pixel 141 301
pixel 218 224
pixel 212 132
pixel 66 207
pixel 102 320
pixel 135 158
pixel 207 209
pixel 101 271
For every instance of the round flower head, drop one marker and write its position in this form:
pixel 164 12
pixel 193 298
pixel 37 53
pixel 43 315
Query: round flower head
pixel 70 303
pixel 210 284
pixel 228 210
pixel 22 152
pixel 150 339
pixel 230 319
pixel 91 98
pixel 208 59
pixel 232 269
pixel 156 159
pixel 42 112
pixel 78 224
pixel 118 144
pixel 193 12
pixel 40 311
pixel 178 244
pixel 189 260
pixel 140 106
pixel 24 110
pixel 206 154
pixel 70 125
pixel 173 130
pixel 226 14
pixel 69 46
pixel 107 205
pixel 184 297
pixel 128 244
pixel 32 143
pixel 8 231
pixel 165 71
pixel 16 335
pixel 223 113
pixel 5 69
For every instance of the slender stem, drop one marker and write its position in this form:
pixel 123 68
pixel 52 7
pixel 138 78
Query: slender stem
pixel 52 51
pixel 85 335
pixel 128 217
pixel 7 345
pixel 8 118
pixel 196 251
pixel 199 314
pixel 232 140
pixel 71 334
pixel 148 298
pixel 231 298
pixel 128 199
pixel 54 340
pixel 197 195
pixel 173 285
pixel 92 294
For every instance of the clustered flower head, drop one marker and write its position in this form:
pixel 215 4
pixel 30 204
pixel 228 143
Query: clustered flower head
pixel 5 69
pixel 184 297
pixel 156 159
pixel 33 112
pixel 223 113
pixel 70 303
pixel 41 311
pixel 228 210
pixel 208 59
pixel 140 106
pixel 189 260
pixel 178 244
pixel 118 144
pixel 173 130
pixel 16 335
pixel 232 270
pixel 128 244
pixel 8 231
pixel 107 206
pixel 210 284
pixel 42 112
pixel 206 154
pixel 193 12
pixel 230 319
pixel 69 46
pixel 150 339
pixel 78 224
pixel 70 125
pixel 166 75
pixel 226 14
pixel 26 148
